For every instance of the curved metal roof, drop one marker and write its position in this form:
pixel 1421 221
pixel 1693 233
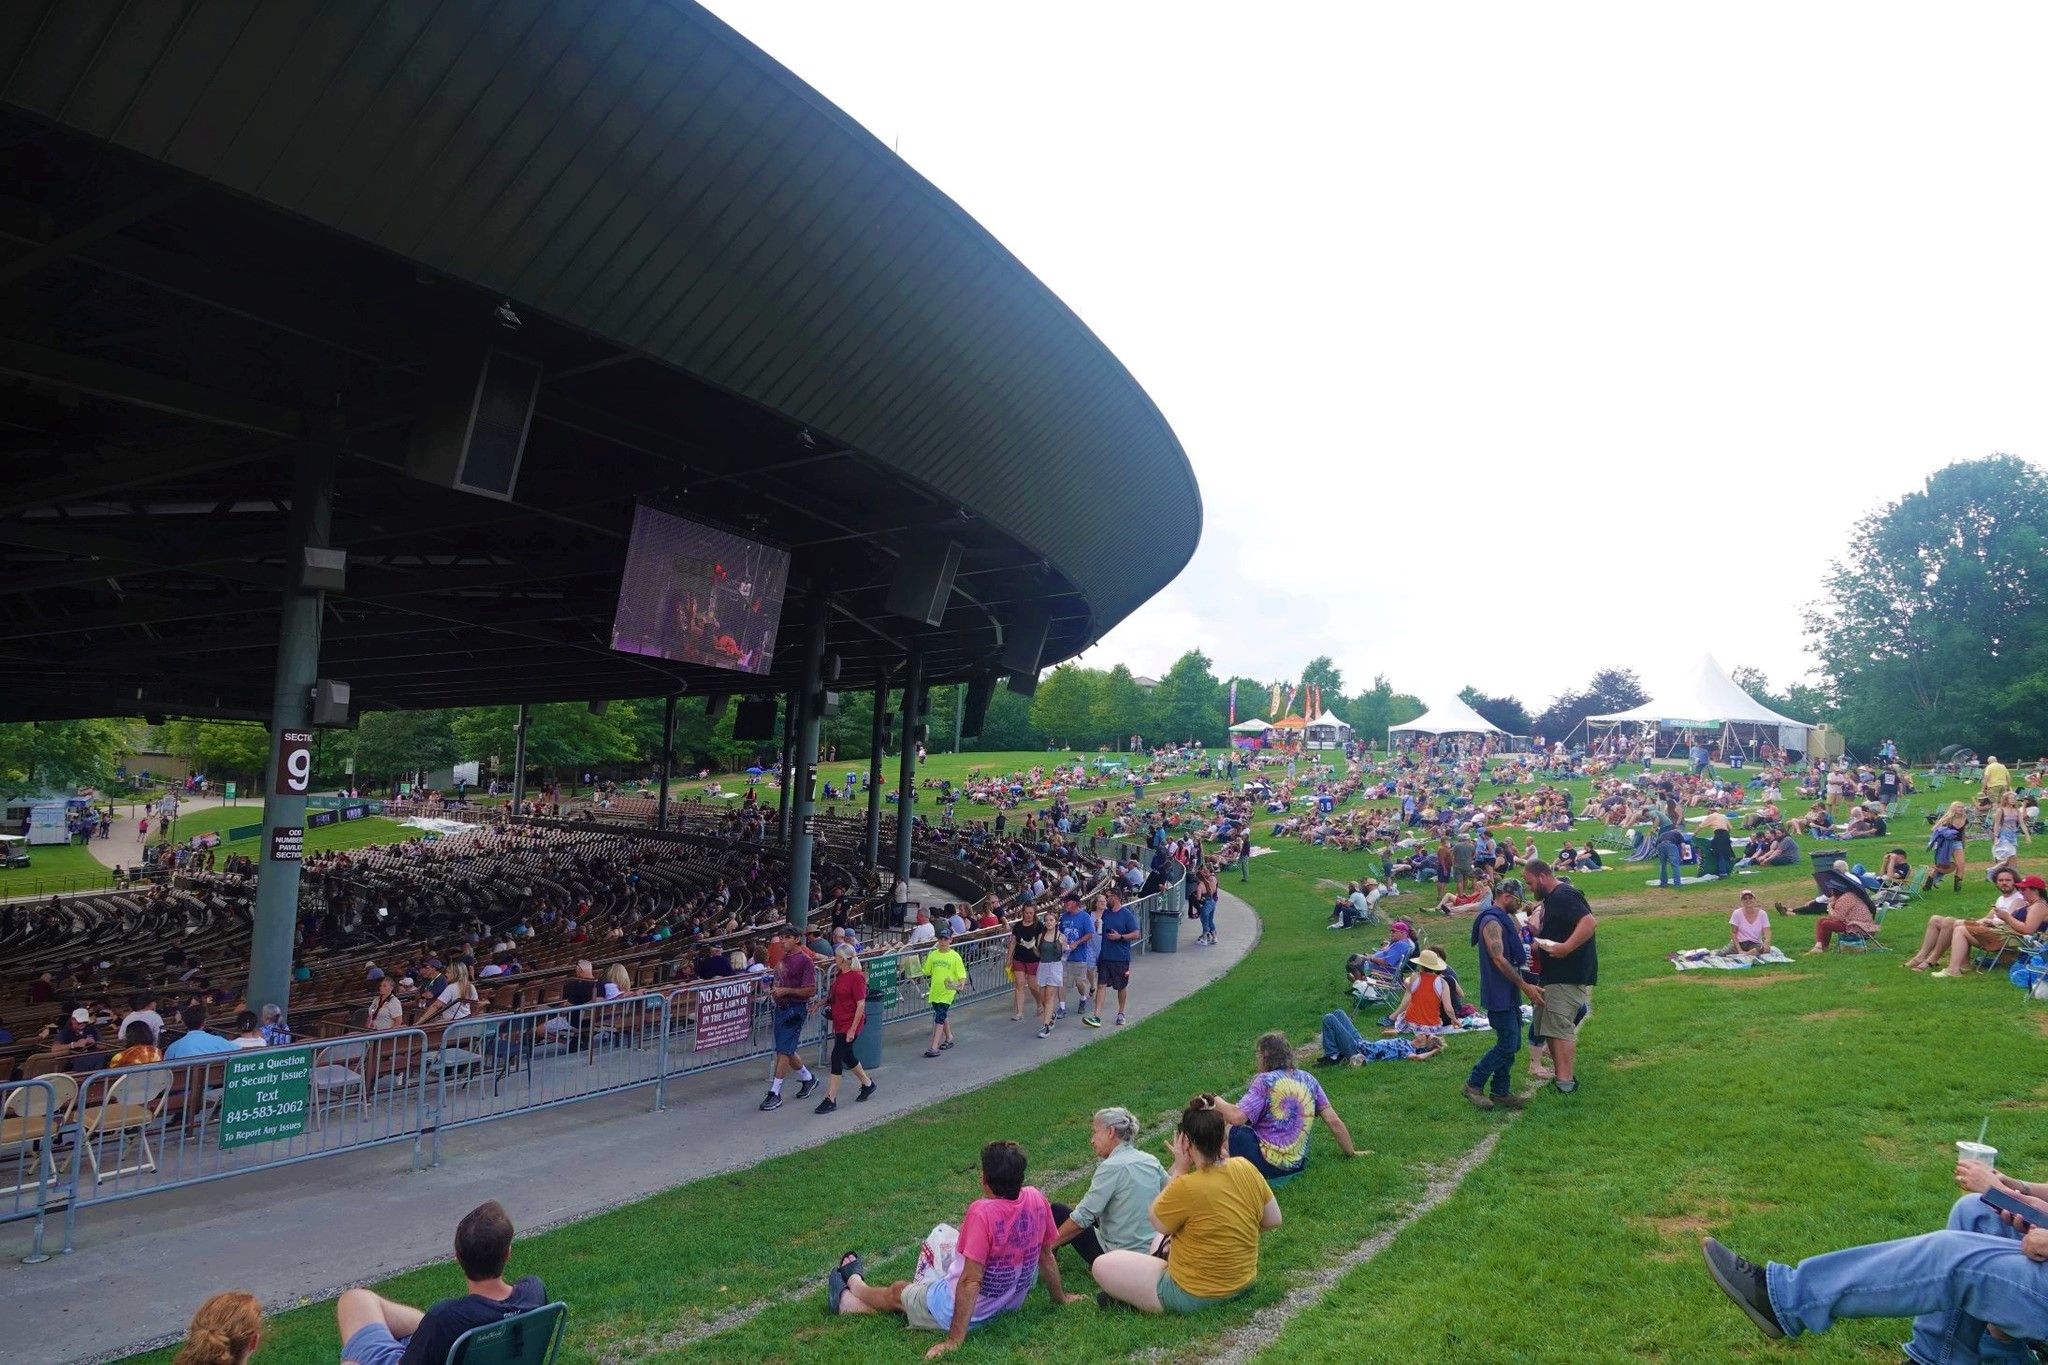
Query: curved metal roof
pixel 639 171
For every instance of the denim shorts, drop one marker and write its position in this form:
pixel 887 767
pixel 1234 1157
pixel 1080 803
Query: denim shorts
pixel 373 1345
pixel 1174 1299
pixel 789 1029
pixel 940 1009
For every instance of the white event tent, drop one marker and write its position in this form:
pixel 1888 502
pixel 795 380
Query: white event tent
pixel 1250 727
pixel 1327 732
pixel 1707 698
pixel 1449 717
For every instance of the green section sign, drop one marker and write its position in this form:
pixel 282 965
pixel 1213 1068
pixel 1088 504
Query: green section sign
pixel 231 791
pixel 265 1096
pixel 882 983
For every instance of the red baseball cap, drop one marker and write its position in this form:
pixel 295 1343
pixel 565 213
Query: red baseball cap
pixel 2033 884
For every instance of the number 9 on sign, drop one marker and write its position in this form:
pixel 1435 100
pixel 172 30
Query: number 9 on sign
pixel 295 762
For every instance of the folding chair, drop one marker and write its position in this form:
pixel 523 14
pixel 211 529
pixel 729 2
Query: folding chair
pixel 529 1338
pixel 134 1104
pixel 31 1120
pixel 1850 941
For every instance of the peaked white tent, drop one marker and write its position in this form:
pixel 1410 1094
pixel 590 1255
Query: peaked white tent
pixel 1450 717
pixel 1250 727
pixel 1708 698
pixel 1327 732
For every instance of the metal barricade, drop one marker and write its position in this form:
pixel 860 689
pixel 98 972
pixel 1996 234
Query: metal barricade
pixel 141 1129
pixel 36 1118
pixel 492 1066
pixel 711 1024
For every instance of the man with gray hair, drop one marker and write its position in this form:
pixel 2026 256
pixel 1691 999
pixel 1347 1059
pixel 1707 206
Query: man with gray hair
pixel 1116 1213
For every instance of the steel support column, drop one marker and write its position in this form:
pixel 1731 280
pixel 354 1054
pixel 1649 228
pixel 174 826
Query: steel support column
pixel 782 769
pixel 668 757
pixel 875 743
pixel 906 779
pixel 519 759
pixel 290 773
pixel 809 722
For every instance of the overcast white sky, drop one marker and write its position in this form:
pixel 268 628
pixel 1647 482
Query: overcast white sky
pixel 1507 341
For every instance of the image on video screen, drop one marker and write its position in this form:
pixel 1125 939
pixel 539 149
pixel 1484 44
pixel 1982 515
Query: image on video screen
pixel 699 595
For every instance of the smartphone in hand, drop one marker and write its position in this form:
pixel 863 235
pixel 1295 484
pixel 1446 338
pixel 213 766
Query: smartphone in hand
pixel 2026 1213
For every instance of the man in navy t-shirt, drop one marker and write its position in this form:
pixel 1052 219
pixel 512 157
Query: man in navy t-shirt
pixel 377 1331
pixel 1113 963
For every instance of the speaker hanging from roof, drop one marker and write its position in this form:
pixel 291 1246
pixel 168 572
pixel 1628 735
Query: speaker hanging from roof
pixel 924 581
pixel 1024 640
pixel 473 433
pixel 981 690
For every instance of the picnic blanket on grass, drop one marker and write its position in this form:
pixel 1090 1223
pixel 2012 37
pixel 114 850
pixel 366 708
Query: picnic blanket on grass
pixel 1696 959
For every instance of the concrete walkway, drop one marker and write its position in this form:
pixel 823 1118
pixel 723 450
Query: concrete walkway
pixel 120 849
pixel 306 1232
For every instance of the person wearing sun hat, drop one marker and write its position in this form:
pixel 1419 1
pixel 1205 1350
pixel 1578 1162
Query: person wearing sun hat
pixel 1426 1006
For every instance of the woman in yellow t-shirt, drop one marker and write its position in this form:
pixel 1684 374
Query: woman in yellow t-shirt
pixel 1213 1209
pixel 138 1047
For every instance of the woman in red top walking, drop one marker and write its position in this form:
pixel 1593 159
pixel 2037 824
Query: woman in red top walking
pixel 848 1002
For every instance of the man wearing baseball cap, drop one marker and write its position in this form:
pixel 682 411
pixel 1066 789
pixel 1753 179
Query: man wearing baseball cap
pixel 793 994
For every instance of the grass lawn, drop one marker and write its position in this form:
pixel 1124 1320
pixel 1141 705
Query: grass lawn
pixel 1788 1109
pixel 53 868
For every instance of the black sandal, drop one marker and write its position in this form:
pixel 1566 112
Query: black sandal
pixel 835 1280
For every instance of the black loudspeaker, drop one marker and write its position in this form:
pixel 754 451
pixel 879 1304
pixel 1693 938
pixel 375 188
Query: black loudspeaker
pixel 1024 641
pixel 714 707
pixel 754 719
pixel 330 704
pixel 474 430
pixel 924 581
pixel 1024 684
pixel 981 690
pixel 598 708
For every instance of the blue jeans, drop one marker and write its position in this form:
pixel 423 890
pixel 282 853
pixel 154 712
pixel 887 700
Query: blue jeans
pixel 1498 1065
pixel 1209 915
pixel 1953 1283
pixel 1341 1037
pixel 1245 1143
pixel 1670 859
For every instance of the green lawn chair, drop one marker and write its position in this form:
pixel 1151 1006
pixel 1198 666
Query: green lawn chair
pixel 529 1338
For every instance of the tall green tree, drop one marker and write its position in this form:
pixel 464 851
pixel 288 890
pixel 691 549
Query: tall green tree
pixel 1064 708
pixel 220 749
pixel 392 742
pixel 1120 709
pixel 1321 672
pixel 1933 624
pixel 56 754
pixel 1189 702
pixel 1506 712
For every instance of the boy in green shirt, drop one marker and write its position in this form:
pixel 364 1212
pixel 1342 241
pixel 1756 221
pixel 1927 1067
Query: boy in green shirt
pixel 944 975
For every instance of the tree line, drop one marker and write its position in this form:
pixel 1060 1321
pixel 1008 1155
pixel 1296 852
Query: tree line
pixel 1931 629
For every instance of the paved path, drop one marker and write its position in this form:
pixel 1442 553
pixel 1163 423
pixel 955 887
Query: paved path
pixel 308 1231
pixel 119 848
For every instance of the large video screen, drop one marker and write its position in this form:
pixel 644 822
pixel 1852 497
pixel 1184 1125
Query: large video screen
pixel 699 595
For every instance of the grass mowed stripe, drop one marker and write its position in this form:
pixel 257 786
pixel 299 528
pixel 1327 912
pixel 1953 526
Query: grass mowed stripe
pixel 1788 1110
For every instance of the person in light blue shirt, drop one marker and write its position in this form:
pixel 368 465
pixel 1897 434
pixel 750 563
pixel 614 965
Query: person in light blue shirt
pixel 197 1042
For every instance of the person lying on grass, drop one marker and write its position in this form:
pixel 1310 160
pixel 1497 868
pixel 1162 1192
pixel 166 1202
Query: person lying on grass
pixel 1006 1246
pixel 2018 912
pixel 1343 1043
pixel 1972 1289
pixel 1270 1124
pixel 1212 1211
